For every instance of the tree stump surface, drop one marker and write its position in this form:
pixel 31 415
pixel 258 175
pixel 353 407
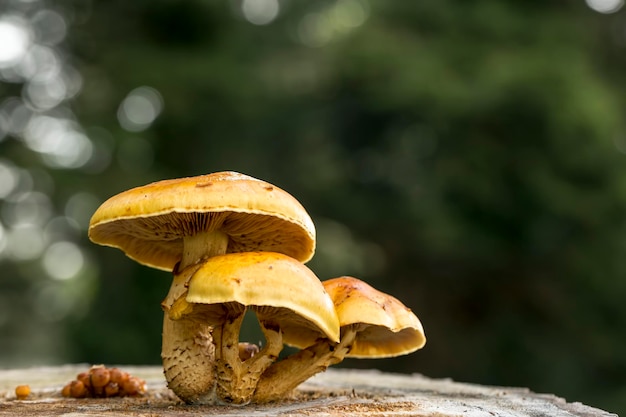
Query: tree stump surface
pixel 336 392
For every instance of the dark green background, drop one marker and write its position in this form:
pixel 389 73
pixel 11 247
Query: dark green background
pixel 466 157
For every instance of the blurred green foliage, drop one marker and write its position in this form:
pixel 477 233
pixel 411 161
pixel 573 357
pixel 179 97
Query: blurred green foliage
pixel 466 157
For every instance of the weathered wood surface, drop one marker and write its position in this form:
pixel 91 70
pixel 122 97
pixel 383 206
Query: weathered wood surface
pixel 336 392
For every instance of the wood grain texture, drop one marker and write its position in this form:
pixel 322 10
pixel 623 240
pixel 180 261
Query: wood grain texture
pixel 336 392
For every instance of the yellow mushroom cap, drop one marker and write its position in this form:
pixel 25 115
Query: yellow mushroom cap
pixel 149 222
pixel 281 290
pixel 386 326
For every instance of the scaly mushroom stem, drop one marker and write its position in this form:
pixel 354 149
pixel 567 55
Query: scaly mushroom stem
pixel 187 351
pixel 286 374
pixel 237 379
pixel 188 362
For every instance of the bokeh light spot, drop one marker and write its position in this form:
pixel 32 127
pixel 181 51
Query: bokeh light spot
pixel 46 94
pixel 29 208
pixel 63 260
pixel 50 27
pixel 25 242
pixel 14 40
pixel 260 12
pixel 41 63
pixel 139 109
pixel 73 152
pixel 8 178
pixel 317 28
pixel 605 6
pixel 17 113
pixel 60 143
pixel 350 13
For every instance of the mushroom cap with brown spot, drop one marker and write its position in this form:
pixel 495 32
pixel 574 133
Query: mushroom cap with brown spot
pixel 386 327
pixel 149 222
pixel 283 292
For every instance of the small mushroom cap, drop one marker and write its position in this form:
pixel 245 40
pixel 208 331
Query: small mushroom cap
pixel 386 327
pixel 282 291
pixel 148 223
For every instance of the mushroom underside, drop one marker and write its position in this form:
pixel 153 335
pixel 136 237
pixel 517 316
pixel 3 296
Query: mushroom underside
pixel 157 240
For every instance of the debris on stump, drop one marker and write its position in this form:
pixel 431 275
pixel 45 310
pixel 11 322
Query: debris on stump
pixel 22 392
pixel 101 382
pixel 336 392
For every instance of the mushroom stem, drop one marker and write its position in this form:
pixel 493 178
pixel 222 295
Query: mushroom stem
pixel 286 374
pixel 228 364
pixel 188 363
pixel 236 378
pixel 202 245
pixel 187 351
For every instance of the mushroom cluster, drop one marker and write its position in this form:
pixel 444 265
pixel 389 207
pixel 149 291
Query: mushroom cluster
pixel 235 243
pixel 102 382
